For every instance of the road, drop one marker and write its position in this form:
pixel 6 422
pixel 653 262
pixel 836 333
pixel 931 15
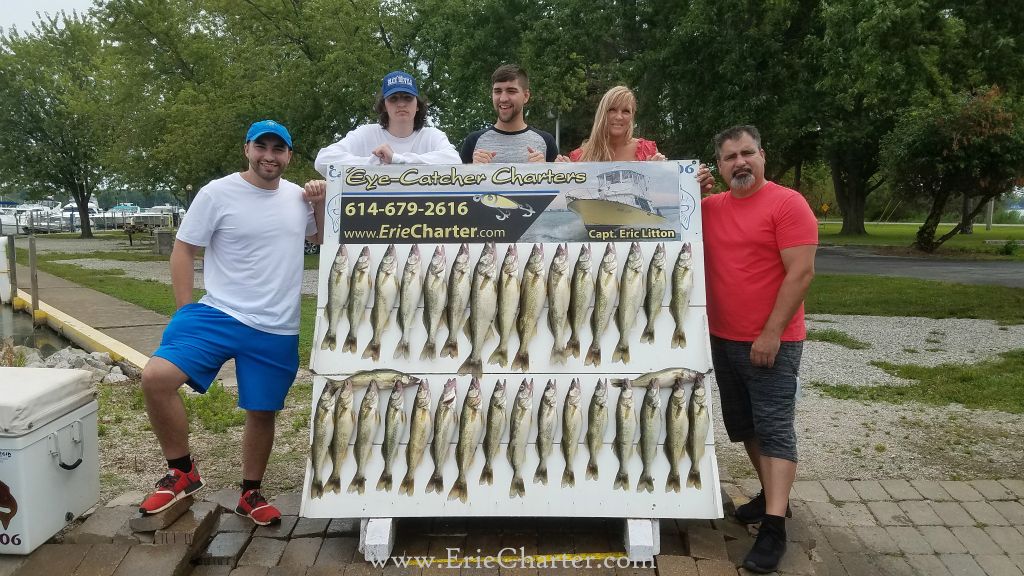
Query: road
pixel 856 260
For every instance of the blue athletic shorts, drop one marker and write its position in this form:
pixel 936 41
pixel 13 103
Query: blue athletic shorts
pixel 199 339
pixel 757 402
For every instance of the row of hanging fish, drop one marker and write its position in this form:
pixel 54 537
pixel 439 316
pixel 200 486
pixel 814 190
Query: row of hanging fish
pixel 500 299
pixel 337 418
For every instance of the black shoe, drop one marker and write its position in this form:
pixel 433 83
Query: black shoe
pixel 753 512
pixel 769 547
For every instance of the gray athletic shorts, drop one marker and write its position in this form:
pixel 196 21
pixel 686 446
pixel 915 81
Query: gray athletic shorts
pixel 758 403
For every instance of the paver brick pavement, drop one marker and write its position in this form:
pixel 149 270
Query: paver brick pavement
pixel 997 565
pixel 984 512
pixel 857 563
pixel 976 540
pixel 340 550
pixel 262 552
pixel 889 513
pixel 54 559
pixel 877 539
pixel 706 543
pixel 870 490
pixel 909 539
pixel 927 564
pixel 840 490
pixel 10 564
pixel 1015 486
pixel 210 570
pixel 1012 510
pixel 900 489
pixel 301 552
pixel 920 513
pixel 810 491
pixel 931 490
pixel 942 540
pixel 155 560
pixel 715 568
pixel 102 559
pixel 952 514
pixel 961 564
pixel 671 565
pixel 1009 539
pixel 225 549
pixel 961 491
pixel 992 490
pixel 279 530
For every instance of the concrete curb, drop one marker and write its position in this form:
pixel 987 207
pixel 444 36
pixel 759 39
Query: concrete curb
pixel 80 333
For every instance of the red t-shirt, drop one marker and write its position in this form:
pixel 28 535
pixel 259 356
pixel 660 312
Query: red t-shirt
pixel 644 150
pixel 744 270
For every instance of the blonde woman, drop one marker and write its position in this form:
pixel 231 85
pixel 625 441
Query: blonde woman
pixel 611 137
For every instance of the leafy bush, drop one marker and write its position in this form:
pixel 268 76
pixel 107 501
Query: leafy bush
pixel 1009 248
pixel 8 357
pixel 217 410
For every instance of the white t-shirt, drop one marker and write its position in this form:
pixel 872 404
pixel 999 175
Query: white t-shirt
pixel 424 146
pixel 253 239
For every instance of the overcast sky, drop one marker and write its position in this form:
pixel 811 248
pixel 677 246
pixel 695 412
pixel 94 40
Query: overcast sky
pixel 22 13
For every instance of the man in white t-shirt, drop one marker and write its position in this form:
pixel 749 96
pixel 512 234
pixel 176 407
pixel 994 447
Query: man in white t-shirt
pixel 252 225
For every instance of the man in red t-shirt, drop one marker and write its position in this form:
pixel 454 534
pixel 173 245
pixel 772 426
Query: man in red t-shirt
pixel 759 245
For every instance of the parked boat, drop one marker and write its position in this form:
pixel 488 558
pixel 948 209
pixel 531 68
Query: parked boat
pixel 620 201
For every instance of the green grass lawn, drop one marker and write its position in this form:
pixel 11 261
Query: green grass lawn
pixel 991 385
pixel 885 296
pixel 837 337
pixel 902 236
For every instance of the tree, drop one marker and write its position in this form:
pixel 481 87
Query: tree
pixel 970 144
pixel 54 95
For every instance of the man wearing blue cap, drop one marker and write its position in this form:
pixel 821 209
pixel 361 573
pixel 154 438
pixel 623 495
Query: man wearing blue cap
pixel 252 225
pixel 399 137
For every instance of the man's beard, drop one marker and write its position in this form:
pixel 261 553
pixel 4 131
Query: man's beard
pixel 743 182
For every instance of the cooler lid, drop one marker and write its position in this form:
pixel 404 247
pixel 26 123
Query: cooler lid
pixel 33 397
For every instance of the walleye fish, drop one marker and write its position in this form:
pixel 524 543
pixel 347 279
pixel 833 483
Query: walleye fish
pixel 678 427
pixel 494 430
pixel 508 304
pixel 470 426
pixel 369 419
pixel 630 299
pixel 409 299
pixel 682 285
pixel 606 293
pixel 434 299
pixel 419 435
pixel 625 429
pixel 383 376
pixel 572 424
pixel 483 303
pixel 459 283
pixel 558 302
pixel 597 421
pixel 359 290
pixel 581 292
pixel 666 374
pixel 344 424
pixel 383 301
pixel 697 412
pixel 323 431
pixel 531 302
pixel 445 423
pixel 655 293
pixel 650 429
pixel 519 429
pixel 547 415
pixel 394 425
pixel 337 297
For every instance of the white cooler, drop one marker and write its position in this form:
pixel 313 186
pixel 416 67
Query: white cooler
pixel 49 459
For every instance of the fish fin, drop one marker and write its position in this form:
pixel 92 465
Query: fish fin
pixel 350 343
pixel 646 483
pixel 648 335
pixel 593 356
pixel 621 481
pixel 458 490
pixel 402 350
pixel 572 347
pixel 558 355
pixel 316 489
pixel 672 484
pixel 592 469
pixel 330 342
pixel 541 475
pixel 491 332
pixel 436 483
pixel 521 361
pixel 471 366
pixel 333 484
pixel 621 353
pixel 518 488
pixel 384 484
pixel 487 475
pixel 568 478
pixel 372 350
pixel 693 479
pixel 429 350
pixel 407 485
pixel 678 339
pixel 358 484
pixel 499 357
pixel 451 347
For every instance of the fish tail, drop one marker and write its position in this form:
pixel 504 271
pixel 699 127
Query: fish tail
pixel 568 477
pixel 316 489
pixel 593 355
pixel 451 348
pixel 407 485
pixel 518 487
pixel 678 339
pixel 558 355
pixel 672 484
pixel 499 356
pixel 592 469
pixel 458 490
pixel 693 479
pixel 621 481
pixel 621 353
pixel 333 484
pixel 350 343
pixel 541 475
pixel 648 335
pixel 358 484
pixel 472 366
pixel 402 350
pixel 487 475
pixel 572 347
pixel 429 350
pixel 436 483
pixel 646 483
pixel 384 484
pixel 521 361
pixel 373 350
pixel 330 342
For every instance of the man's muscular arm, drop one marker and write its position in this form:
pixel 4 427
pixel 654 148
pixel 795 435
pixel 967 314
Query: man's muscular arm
pixel 183 272
pixel 799 264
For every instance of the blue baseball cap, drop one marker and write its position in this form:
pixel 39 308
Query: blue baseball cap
pixel 268 127
pixel 398 81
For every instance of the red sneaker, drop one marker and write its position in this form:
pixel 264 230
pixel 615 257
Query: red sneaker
pixel 171 488
pixel 253 505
